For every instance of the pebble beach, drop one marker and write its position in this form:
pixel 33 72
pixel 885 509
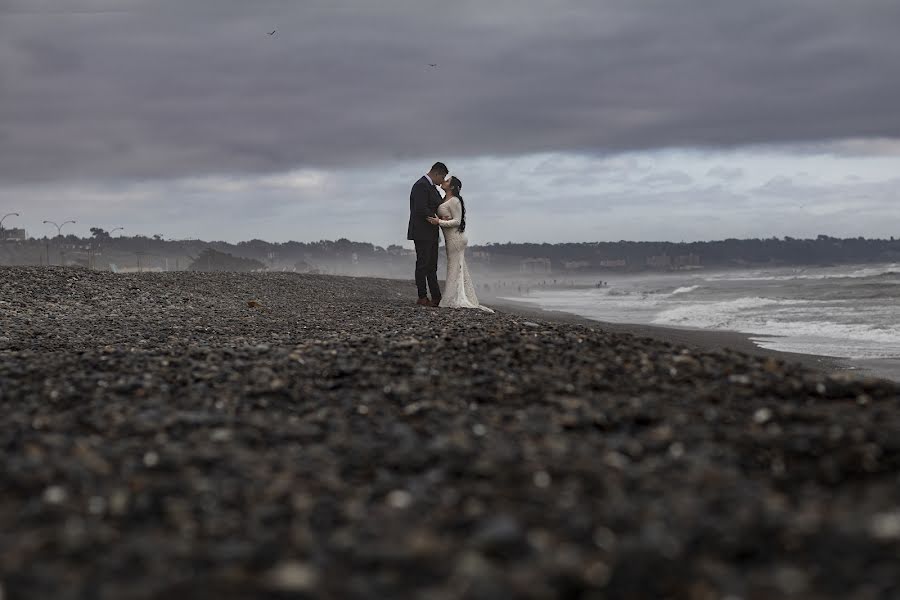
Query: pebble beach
pixel 276 435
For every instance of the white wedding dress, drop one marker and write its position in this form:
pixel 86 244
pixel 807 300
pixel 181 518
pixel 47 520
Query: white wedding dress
pixel 459 291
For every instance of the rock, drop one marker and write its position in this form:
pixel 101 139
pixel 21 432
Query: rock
pixel 55 494
pixel 885 526
pixel 501 536
pixel 292 576
pixel 762 416
pixel 399 499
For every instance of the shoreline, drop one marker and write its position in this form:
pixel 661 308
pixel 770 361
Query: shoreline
pixel 708 339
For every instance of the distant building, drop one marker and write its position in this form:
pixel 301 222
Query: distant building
pixel 17 235
pixel 688 261
pixel 574 265
pixel 535 265
pixel 614 263
pixel 663 261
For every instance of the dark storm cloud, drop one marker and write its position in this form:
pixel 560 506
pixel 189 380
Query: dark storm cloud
pixel 161 89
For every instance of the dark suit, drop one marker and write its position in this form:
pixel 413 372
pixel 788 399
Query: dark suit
pixel 423 202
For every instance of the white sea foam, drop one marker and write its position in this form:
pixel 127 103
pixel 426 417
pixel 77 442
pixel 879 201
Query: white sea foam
pixel 824 346
pixel 849 311
pixel 685 290
pixel 801 326
pixel 714 315
pixel 851 272
pixel 875 271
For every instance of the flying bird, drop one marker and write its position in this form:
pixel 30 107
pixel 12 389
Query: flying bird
pixel 273 32
pixel 432 64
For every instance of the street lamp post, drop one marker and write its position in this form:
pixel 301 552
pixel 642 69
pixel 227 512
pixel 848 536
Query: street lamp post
pixel 3 218
pixel 58 234
pixel 99 247
pixel 182 250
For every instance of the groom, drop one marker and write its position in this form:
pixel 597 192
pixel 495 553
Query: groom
pixel 423 202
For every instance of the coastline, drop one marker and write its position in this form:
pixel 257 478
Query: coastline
pixel 708 339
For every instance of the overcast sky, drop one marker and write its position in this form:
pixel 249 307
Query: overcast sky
pixel 567 120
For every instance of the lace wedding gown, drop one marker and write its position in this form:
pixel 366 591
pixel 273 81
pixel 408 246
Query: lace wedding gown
pixel 459 291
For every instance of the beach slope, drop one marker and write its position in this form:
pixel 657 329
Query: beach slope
pixel 222 435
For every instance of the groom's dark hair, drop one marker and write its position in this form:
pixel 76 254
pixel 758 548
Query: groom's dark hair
pixel 439 167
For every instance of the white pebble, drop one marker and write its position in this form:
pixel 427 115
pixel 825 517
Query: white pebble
pixel 292 576
pixel 542 479
pixel 615 460
pixel 96 505
pixel 885 526
pixel 761 416
pixel 399 499
pixel 55 494
pixel 220 435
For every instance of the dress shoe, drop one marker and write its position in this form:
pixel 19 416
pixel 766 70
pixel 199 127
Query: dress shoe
pixel 424 302
pixel 436 302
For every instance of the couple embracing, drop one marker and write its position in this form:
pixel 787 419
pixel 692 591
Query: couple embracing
pixel 429 214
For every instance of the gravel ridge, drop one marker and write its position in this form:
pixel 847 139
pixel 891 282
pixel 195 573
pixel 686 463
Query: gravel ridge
pixel 226 435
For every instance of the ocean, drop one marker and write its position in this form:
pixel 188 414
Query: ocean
pixel 850 312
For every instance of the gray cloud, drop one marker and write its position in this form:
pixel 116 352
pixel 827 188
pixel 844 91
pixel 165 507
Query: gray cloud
pixel 537 198
pixel 725 173
pixel 162 89
pixel 668 178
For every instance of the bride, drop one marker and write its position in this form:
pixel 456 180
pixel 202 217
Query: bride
pixel 459 291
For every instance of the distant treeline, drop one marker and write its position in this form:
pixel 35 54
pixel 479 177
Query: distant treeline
pixel 823 250
pixel 347 256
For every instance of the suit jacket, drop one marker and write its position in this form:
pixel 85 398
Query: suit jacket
pixel 423 202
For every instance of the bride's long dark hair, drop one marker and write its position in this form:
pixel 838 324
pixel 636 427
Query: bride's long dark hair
pixel 455 186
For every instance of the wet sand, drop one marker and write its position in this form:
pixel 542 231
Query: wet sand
pixel 705 339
